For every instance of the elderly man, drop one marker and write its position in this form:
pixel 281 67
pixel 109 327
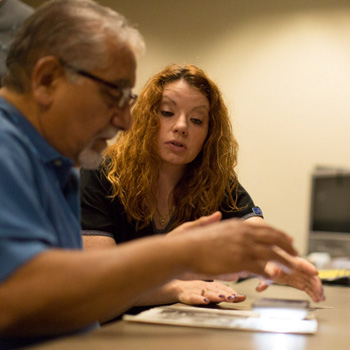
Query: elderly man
pixel 66 92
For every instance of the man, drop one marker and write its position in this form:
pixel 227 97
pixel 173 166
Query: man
pixel 67 90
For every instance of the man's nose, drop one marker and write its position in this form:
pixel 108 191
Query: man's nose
pixel 122 119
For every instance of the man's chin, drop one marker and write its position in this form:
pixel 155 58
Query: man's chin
pixel 90 159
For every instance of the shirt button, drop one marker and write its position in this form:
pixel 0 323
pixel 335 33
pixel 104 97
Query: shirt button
pixel 58 162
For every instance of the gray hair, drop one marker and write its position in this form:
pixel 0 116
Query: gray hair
pixel 75 31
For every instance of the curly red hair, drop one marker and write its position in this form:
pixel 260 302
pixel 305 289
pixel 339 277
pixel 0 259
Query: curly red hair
pixel 132 163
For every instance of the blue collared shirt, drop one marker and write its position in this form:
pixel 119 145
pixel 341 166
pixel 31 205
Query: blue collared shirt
pixel 38 194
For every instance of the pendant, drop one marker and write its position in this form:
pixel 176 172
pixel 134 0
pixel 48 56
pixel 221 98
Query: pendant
pixel 162 220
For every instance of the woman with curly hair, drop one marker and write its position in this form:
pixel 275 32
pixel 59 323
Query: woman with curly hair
pixel 176 164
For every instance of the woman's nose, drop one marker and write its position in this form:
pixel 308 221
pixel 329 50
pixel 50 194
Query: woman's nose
pixel 180 125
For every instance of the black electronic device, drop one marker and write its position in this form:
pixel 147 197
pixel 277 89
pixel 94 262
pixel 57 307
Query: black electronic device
pixel 329 229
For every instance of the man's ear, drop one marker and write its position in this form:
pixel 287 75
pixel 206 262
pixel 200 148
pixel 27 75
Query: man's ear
pixel 45 77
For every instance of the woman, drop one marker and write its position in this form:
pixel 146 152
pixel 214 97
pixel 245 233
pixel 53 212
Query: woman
pixel 178 161
pixel 176 164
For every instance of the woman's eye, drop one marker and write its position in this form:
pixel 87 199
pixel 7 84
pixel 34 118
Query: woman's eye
pixel 166 113
pixel 196 121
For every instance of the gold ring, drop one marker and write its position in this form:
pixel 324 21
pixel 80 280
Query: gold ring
pixel 203 291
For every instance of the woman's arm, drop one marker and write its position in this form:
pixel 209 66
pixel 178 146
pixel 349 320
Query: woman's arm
pixel 97 242
pixel 187 292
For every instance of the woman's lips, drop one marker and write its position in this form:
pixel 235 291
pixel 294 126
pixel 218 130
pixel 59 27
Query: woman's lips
pixel 176 145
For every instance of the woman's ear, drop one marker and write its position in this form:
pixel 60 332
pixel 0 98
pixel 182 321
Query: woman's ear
pixel 46 75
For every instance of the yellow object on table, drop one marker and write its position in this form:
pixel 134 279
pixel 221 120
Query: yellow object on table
pixel 335 276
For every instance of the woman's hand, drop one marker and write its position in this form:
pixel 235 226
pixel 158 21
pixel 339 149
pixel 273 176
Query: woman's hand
pixel 303 276
pixel 202 292
pixel 192 292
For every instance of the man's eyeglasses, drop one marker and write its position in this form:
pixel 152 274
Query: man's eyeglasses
pixel 125 98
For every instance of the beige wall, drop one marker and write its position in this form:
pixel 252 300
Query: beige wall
pixel 284 68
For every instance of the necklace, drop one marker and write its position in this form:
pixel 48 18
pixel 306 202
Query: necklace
pixel 163 219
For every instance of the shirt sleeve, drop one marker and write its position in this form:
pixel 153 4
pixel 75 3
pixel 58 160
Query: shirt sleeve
pixel 245 205
pixel 96 215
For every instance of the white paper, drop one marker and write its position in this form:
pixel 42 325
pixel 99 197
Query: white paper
pixel 224 319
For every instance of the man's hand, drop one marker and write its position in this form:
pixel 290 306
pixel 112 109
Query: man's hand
pixel 303 276
pixel 233 245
